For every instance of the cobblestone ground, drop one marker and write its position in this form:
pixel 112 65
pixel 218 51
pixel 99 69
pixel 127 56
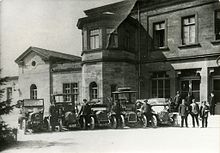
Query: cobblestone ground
pixel 152 140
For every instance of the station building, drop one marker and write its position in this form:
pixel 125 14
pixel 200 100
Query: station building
pixel 160 47
pixel 156 47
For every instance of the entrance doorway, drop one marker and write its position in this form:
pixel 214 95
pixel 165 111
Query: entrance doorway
pixel 215 87
pixel 192 86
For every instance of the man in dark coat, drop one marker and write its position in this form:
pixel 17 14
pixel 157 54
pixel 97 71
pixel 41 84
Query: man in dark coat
pixel 53 116
pixel 117 108
pixel 85 109
pixel 147 111
pixel 212 103
pixel 204 109
pixel 183 112
pixel 194 111
pixel 189 99
pixel 177 100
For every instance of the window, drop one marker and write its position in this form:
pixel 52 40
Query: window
pixel 160 85
pixel 216 89
pixel 94 39
pixel 84 40
pixel 159 34
pixel 190 86
pixel 112 38
pixel 93 90
pixel 188 30
pixel 9 93
pixel 72 90
pixel 217 25
pixel 33 91
pixel 33 63
pixel 75 92
pixel 67 90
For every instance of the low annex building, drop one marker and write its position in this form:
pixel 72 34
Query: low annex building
pixel 43 73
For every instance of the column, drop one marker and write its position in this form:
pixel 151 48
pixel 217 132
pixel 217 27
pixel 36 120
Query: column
pixel 204 84
pixel 173 82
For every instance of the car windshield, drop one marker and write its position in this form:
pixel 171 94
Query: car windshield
pixel 158 109
pixel 126 97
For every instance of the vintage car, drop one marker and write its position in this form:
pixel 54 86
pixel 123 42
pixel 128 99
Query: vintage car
pixel 161 114
pixel 65 113
pixel 94 114
pixel 125 110
pixel 32 118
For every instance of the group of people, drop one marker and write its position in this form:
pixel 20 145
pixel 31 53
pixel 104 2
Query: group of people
pixel 188 105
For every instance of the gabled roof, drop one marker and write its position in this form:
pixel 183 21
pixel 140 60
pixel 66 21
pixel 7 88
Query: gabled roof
pixel 116 8
pixel 47 54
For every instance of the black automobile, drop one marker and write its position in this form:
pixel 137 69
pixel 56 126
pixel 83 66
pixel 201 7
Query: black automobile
pixel 94 114
pixel 124 109
pixel 32 116
pixel 161 114
pixel 65 113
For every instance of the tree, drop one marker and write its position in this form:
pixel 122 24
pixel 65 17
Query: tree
pixel 5 108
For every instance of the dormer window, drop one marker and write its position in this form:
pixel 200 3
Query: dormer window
pixel 112 38
pixel 94 39
pixel 159 34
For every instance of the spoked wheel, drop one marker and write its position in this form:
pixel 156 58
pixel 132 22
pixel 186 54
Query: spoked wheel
pixel 144 121
pixel 122 121
pixel 175 120
pixel 113 122
pixel 92 123
pixel 83 123
pixel 154 121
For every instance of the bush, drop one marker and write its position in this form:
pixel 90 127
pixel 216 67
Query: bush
pixel 7 134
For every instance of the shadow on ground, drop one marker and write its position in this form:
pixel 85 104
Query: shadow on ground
pixel 33 144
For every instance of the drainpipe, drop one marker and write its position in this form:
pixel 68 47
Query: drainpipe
pixel 139 51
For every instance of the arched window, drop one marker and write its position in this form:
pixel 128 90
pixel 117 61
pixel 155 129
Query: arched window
pixel 33 91
pixel 93 90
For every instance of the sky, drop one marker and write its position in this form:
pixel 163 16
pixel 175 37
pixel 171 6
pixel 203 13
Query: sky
pixel 48 24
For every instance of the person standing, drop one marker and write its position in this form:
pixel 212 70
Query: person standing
pixel 53 116
pixel 84 108
pixel 194 109
pixel 204 109
pixel 183 112
pixel 189 99
pixel 177 100
pixel 147 111
pixel 212 103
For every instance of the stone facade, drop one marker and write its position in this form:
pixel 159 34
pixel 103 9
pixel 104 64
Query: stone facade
pixel 175 66
pixel 175 58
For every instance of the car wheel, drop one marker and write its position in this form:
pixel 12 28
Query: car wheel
pixel 122 119
pixel 113 122
pixel 175 120
pixel 154 121
pixel 83 123
pixel 60 125
pixel 92 123
pixel 144 121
